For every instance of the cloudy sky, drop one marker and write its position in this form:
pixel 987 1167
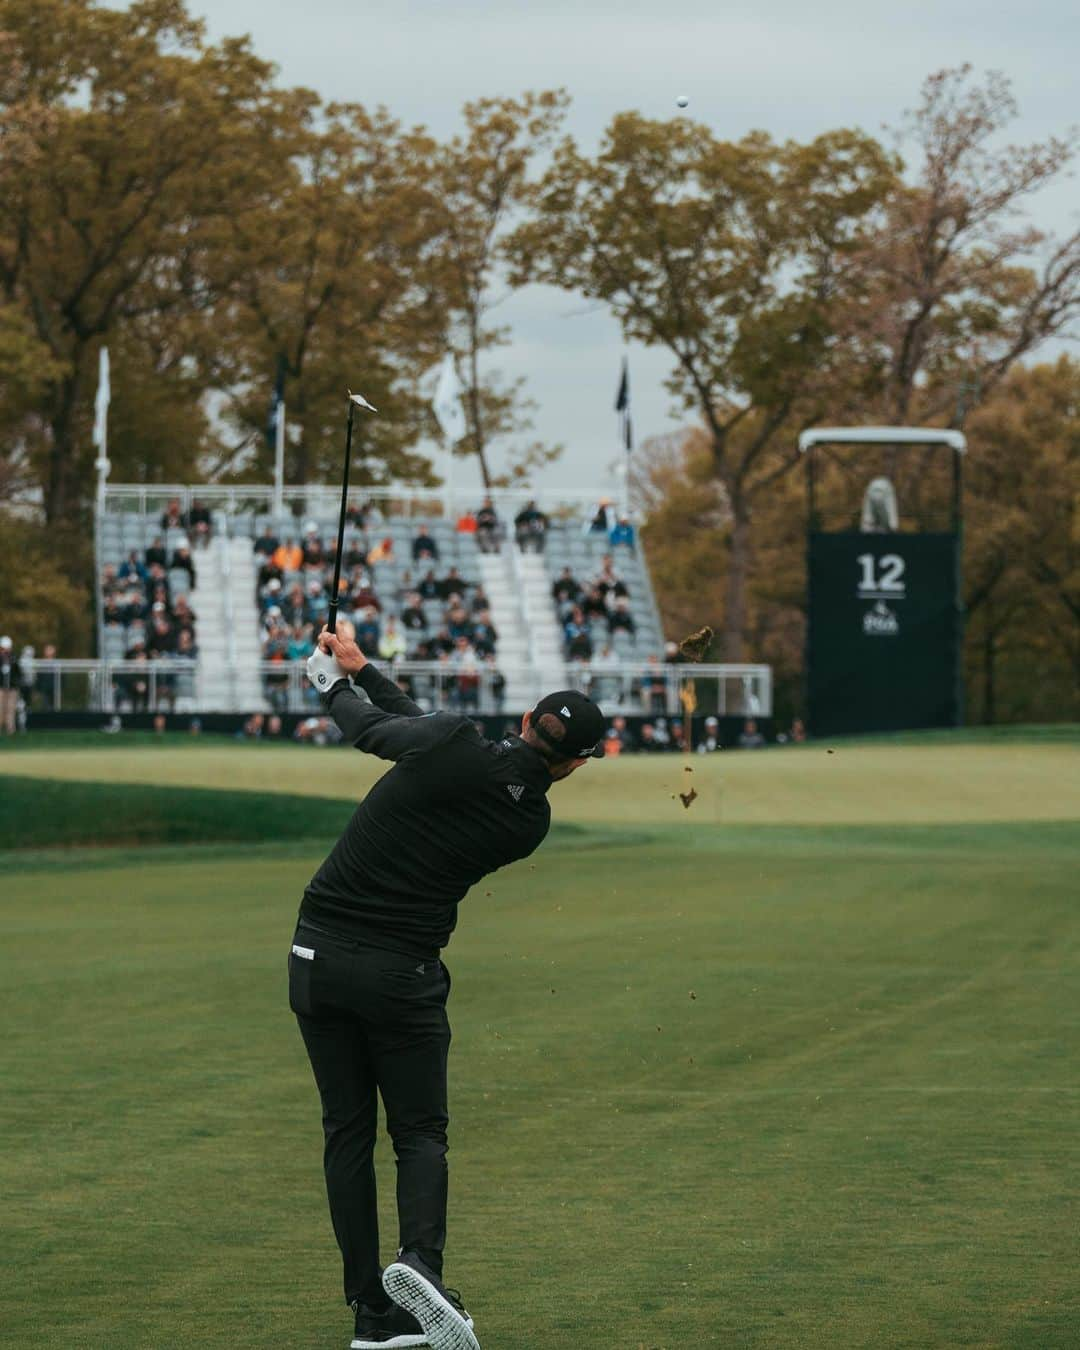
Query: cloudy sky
pixel 792 68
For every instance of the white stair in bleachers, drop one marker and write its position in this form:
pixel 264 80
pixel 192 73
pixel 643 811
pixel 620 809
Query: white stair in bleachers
pixel 513 645
pixel 547 636
pixel 228 673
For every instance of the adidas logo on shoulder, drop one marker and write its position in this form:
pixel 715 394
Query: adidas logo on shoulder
pixel 515 790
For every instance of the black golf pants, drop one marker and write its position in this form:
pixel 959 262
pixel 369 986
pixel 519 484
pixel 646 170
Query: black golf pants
pixel 374 1023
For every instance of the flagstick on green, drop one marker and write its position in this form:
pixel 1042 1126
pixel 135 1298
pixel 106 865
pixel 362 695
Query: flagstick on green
pixel 355 401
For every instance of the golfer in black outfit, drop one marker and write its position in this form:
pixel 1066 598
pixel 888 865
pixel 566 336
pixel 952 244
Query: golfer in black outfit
pixel 365 979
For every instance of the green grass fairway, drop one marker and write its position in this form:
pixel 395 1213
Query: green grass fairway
pixel 808 1085
pixel 961 778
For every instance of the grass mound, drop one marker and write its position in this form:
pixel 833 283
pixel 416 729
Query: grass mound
pixel 49 812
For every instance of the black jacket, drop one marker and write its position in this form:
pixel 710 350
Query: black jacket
pixel 453 808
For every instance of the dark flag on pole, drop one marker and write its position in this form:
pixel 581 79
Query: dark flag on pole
pixel 276 400
pixel 622 406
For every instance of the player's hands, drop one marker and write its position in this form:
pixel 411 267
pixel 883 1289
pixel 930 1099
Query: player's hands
pixel 347 654
pixel 324 672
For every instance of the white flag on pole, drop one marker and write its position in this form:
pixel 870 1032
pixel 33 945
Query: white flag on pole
pixel 101 402
pixel 447 401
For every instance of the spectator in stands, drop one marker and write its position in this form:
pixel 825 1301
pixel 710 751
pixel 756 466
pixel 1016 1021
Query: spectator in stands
pixel 161 640
pixel 424 546
pixel 367 631
pixel 620 620
pixel 181 560
pixel 480 600
pixel 252 729
pixel 392 645
pixel 484 634
pixel 383 552
pixel 672 655
pixel 466 693
pixel 648 743
pixel 429 588
pixel 466 523
pixel 710 740
pixel 594 605
pixel 273 727
pixel 112 614
pixel 156 552
pixel 565 589
pixel 412 614
pixel 358 514
pixel 578 642
pixel 312 549
pixel 496 683
pixel 622 534
pixel 27 668
pixel 678 735
pixel 132 568
pixel 45 682
pixel 171 518
pixel 619 733
pixel 603 519
pixel 199 519
pixel 609 580
pixel 318 603
pixel 458 622
pixel 662 734
pixel 452 584
pixel 293 604
pixel 798 728
pixel 750 738
pixel 441 644
pixel 488 529
pixel 135 685
pixel 270 594
pixel 356 553
pixel 363 596
pixel 266 544
pixel 183 616
pixel 653 686
pixel 317 731
pixel 288 557
pixel 276 649
pixel 530 528
pixel 301 641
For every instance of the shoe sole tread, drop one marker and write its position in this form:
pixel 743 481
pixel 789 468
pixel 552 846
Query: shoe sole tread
pixel 444 1326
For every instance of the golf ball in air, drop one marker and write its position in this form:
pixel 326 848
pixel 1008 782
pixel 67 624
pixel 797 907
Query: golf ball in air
pixel 683 101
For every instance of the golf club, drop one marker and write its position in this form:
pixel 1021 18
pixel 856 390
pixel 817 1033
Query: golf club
pixel 355 401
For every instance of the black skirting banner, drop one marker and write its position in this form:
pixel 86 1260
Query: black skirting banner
pixel 884 632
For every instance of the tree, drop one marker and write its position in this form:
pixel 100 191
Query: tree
pixel 151 137
pixel 481 183
pixel 329 278
pixel 730 255
pixel 948 298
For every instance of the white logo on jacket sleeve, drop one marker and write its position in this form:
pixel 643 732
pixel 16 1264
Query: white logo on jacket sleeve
pixel 515 790
pixel 565 711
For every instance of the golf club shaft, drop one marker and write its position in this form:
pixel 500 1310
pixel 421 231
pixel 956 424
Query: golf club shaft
pixel 331 622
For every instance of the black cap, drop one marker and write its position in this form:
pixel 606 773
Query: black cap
pixel 582 718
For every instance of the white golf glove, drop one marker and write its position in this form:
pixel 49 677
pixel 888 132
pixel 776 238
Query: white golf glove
pixel 323 671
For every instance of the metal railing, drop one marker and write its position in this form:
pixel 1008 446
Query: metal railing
pixel 623 687
pixel 324 499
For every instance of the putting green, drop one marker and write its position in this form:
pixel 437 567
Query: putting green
pixel 883 784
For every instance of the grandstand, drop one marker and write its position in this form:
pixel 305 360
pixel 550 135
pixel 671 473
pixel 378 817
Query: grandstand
pixel 487 634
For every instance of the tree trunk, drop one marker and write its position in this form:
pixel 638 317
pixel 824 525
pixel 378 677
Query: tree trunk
pixel 474 399
pixel 734 628
pixel 61 488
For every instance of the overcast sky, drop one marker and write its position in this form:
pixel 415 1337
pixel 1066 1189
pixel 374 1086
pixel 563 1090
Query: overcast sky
pixel 792 68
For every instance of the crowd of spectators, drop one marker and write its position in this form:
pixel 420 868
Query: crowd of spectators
pixel 138 598
pixel 425 612
pixel 598 624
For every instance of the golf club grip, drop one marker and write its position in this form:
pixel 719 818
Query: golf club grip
pixel 331 618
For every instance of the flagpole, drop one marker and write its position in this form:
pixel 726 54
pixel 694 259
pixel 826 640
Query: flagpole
pixel 279 463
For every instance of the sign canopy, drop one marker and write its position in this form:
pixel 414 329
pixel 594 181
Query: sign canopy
pixel 881 436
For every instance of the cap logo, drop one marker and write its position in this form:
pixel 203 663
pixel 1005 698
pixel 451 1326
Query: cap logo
pixel 565 710
pixel 515 790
